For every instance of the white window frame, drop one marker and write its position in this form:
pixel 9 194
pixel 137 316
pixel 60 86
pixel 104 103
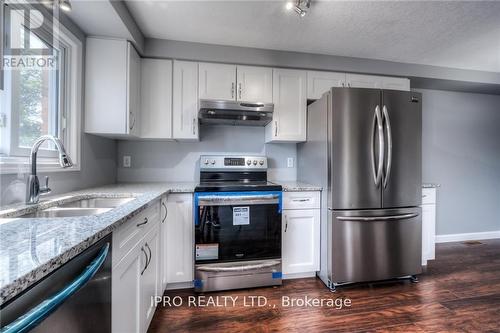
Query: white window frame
pixel 70 111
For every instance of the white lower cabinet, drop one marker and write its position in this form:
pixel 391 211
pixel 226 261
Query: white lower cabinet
pixel 179 240
pixel 428 224
pixel 150 279
pixel 300 235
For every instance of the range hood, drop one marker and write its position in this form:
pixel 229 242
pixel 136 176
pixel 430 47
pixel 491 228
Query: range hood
pixel 235 113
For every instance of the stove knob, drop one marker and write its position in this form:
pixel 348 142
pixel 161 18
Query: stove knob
pixel 261 162
pixel 213 162
pixel 206 162
pixel 254 162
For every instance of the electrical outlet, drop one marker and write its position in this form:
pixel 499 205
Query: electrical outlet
pixel 127 161
pixel 289 162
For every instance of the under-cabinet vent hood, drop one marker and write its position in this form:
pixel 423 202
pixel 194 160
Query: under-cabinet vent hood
pixel 235 113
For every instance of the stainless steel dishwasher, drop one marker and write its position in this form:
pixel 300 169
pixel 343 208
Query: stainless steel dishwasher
pixel 74 298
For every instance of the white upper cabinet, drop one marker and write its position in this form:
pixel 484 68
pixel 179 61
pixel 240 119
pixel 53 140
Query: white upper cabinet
pixel 112 88
pixel 185 101
pixel 320 82
pixel 290 104
pixel 156 99
pixel 254 84
pixel 377 82
pixel 217 81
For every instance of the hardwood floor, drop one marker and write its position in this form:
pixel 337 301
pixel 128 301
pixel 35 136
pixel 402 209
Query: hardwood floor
pixel 459 292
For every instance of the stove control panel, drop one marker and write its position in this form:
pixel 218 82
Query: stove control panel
pixel 211 162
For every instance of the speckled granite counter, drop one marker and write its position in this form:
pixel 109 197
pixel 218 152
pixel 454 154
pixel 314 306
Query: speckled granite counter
pixel 31 248
pixel 294 186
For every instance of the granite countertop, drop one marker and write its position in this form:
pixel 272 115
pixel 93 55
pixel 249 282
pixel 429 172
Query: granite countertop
pixel 294 186
pixel 31 248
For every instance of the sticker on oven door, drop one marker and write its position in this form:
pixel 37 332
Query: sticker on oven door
pixel 241 215
pixel 207 251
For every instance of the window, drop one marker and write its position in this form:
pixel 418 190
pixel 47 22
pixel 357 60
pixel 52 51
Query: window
pixel 37 100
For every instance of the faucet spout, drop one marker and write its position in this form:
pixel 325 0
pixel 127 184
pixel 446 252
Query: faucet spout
pixel 33 190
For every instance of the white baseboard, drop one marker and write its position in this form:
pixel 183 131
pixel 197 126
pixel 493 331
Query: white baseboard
pixel 467 236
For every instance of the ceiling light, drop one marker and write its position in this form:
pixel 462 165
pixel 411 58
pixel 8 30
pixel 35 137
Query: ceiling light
pixel 299 6
pixel 65 5
pixel 289 5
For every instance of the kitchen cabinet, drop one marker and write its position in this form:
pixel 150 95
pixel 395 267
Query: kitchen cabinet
pixel 156 99
pixel 320 82
pixel 112 88
pixel 254 84
pixel 185 101
pixel 217 81
pixel 290 105
pixel 136 272
pixel 300 234
pixel 377 82
pixel 179 240
pixel 428 224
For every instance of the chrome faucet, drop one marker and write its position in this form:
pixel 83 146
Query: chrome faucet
pixel 33 190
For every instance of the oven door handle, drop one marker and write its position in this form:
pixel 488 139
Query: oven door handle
pixel 240 268
pixel 233 200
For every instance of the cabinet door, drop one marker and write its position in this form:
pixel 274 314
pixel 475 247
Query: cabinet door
pixel 217 81
pixel 156 99
pixel 150 278
pixel 133 91
pixel 255 84
pixel 301 241
pixel 185 101
pixel 428 232
pixel 395 83
pixel 363 81
pixel 126 291
pixel 290 104
pixel 320 82
pixel 180 238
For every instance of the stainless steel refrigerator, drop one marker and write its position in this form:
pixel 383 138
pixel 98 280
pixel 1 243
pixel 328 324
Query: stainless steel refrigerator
pixel 364 147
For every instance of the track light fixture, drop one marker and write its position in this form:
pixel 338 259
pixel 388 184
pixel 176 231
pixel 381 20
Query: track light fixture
pixel 299 6
pixel 65 5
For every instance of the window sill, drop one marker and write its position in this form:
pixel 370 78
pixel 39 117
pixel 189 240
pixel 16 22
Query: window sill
pixel 20 165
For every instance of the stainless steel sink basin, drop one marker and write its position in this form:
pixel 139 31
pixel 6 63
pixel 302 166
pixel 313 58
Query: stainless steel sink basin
pixel 96 203
pixel 66 212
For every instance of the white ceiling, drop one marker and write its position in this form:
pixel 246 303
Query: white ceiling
pixel 452 34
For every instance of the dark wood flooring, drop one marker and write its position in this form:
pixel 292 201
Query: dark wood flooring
pixel 459 292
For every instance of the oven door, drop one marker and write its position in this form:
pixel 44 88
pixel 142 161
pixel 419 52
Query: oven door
pixel 236 226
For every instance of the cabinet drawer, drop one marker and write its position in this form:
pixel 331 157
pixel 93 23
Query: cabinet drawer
pixel 132 231
pixel 301 200
pixel 428 196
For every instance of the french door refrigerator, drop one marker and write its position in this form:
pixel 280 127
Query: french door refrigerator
pixel 364 148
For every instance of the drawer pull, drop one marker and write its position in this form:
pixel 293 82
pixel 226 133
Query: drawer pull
pixel 300 200
pixel 143 223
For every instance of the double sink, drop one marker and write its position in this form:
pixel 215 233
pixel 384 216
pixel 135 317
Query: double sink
pixel 79 207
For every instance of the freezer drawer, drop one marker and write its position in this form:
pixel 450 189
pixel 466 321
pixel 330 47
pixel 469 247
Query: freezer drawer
pixel 372 245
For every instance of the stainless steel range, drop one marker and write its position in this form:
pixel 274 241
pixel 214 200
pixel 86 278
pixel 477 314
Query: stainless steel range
pixel 237 224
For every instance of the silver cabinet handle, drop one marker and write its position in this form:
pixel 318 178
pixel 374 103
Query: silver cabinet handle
pixel 143 223
pixel 239 89
pixel 377 218
pixel 150 255
pixel 132 123
pixel 389 145
pixel 275 128
pixel 166 212
pixel 147 260
pixel 343 84
pixel 300 200
pixel 232 89
pixel 194 126
pixel 377 125
pixel 37 314
pixel 349 84
pixel 286 222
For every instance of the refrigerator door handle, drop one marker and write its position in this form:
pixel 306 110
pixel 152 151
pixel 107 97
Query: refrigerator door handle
pixel 377 218
pixel 378 125
pixel 389 145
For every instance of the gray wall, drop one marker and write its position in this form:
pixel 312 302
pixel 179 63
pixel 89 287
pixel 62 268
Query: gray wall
pixel 461 151
pixel 178 161
pixel 98 159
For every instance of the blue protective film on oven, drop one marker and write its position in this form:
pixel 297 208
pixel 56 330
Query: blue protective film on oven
pixel 277 275
pixel 246 193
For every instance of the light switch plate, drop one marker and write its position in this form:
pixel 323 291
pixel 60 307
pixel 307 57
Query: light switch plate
pixel 127 161
pixel 289 162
